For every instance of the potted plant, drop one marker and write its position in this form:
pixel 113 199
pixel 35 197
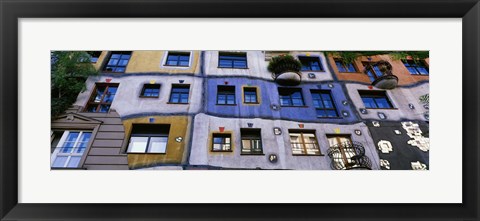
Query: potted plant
pixel 285 69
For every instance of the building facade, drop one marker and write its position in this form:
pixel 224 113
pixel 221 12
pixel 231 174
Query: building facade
pixel 228 110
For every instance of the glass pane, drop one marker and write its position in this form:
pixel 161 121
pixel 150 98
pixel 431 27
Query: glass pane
pixel 113 61
pixel 351 68
pixel 297 102
pixel 246 145
pixel 174 98
pixel 158 145
pixel 382 103
pixel 74 161
pixel 422 70
pixel 321 113
pixel 412 70
pixel 328 104
pixel 217 147
pixel 59 162
pixel 285 101
pixel 172 63
pixel 316 67
pixel 340 66
pixel 137 144
pixel 225 63
pixel 218 140
pixel 104 108
pixel 240 64
pixel 99 94
pixel 115 56
pixel 123 63
pixel 369 102
pixel 331 113
pixel 183 63
pixel 120 69
pixel 184 98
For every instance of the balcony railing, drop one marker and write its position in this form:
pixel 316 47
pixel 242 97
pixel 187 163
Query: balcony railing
pixel 349 155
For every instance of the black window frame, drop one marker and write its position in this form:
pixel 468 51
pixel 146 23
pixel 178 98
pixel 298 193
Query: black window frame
pixel 307 63
pixel 230 56
pixel 373 72
pixel 155 130
pixel 345 66
pixel 250 89
pixel 251 134
pixel 223 135
pixel 375 94
pixel 121 53
pixel 175 86
pixel 94 56
pixel 287 90
pixel 408 63
pixel 150 86
pixel 91 101
pixel 179 54
pixel 322 92
pixel 227 91
pixel 303 144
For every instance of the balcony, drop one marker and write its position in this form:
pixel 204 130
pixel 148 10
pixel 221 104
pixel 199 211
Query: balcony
pixel 380 73
pixel 285 70
pixel 349 156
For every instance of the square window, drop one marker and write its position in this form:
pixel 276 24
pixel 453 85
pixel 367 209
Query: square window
pixel 290 96
pixel 118 61
pixel 373 71
pixel 226 95
pixel 68 148
pixel 344 66
pixel 150 90
pixel 304 142
pixel 102 97
pixel 416 68
pixel 323 103
pixel 94 55
pixel 221 142
pixel 232 60
pixel 149 138
pixel 310 63
pixel 250 95
pixel 251 141
pixel 179 94
pixel 181 59
pixel 375 99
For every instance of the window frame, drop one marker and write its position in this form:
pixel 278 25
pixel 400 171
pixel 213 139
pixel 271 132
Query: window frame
pixel 303 143
pixel 232 54
pixel 254 89
pixel 375 94
pixel 226 93
pixel 116 65
pixel 60 145
pixel 345 66
pixel 346 161
pixel 329 93
pixel 93 55
pixel 145 86
pixel 99 104
pixel 311 58
pixel 149 136
pixel 174 86
pixel 416 65
pixel 223 135
pixel 372 68
pixel 177 53
pixel 297 89
pixel 251 137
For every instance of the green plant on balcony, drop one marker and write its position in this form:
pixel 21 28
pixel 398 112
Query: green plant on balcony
pixel 284 63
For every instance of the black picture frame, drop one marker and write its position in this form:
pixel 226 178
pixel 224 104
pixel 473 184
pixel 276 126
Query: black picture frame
pixel 12 10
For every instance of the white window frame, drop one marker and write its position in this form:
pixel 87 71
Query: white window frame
pixel 164 60
pixel 56 153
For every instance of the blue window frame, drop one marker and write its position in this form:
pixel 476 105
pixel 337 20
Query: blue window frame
pixel 323 103
pixel 375 99
pixel 179 94
pixel 416 68
pixel 250 95
pixel 310 63
pixel 118 61
pixel 345 67
pixel 232 60
pixel 291 96
pixel 181 59
pixel 226 95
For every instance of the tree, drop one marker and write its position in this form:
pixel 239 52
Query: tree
pixel 69 71
pixel 350 56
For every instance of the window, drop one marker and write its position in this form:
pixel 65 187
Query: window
pixel 304 143
pixel 373 71
pixel 323 103
pixel 375 99
pixel 416 68
pixel 94 55
pixel 118 61
pixel 148 138
pixel 310 63
pixel 250 95
pixel 179 94
pixel 70 149
pixel 232 60
pixel 225 94
pixel 345 67
pixel 290 96
pixel 251 141
pixel 181 59
pixel 102 97
pixel 150 90
pixel 222 142
pixel 343 157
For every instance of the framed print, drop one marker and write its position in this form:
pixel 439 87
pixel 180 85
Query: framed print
pixel 239 110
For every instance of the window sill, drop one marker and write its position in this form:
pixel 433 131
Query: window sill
pixel 221 151
pixel 251 103
pixel 232 68
pixel 148 153
pixel 350 73
pixel 175 66
pixel 226 104
pixel 295 106
pixel 147 97
pixel 178 103
pixel 329 117
pixel 252 154
pixel 309 155
pixel 369 108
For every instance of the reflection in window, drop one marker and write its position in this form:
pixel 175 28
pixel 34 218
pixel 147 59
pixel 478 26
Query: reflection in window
pixel 323 103
pixel 222 142
pixel 179 94
pixel 344 66
pixel 290 96
pixel 118 61
pixel 225 94
pixel 102 97
pixel 181 59
pixel 70 149
pixel 304 143
pixel 251 141
pixel 250 95
pixel 149 138
pixel 310 63
pixel 232 60
pixel 375 99
pixel 416 68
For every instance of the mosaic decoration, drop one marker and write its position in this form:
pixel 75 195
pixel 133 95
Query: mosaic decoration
pixel 376 123
pixel 363 111
pixel 70 117
pixel 226 82
pixel 221 129
pixel 382 115
pixel 181 81
pixel 411 106
pixel 345 102
pixel 330 85
pixel 397 132
pixel 385 164
pixel 277 131
pixel 345 113
pixel 250 124
pixel 311 75
pixel 418 140
pixel 418 166
pixel 358 132
pixel 152 81
pixel 179 139
pixel 385 146
pixel 301 125
pixel 425 100
pixel 108 80
pixel 151 120
pixel 274 107
pixel 272 158
pixel 336 130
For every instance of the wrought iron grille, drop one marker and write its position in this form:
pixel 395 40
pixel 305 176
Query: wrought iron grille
pixel 349 155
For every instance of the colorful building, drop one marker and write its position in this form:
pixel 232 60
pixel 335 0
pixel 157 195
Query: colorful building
pixel 226 110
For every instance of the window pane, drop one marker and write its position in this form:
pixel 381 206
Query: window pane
pixel 369 102
pixel 104 108
pixel 246 145
pixel 137 144
pixel 351 68
pixel 382 103
pixel 175 98
pixel 74 161
pixel 412 70
pixel 340 66
pixel 173 63
pixel 321 113
pixel 184 98
pixel 285 102
pixel 158 145
pixel 332 113
pixel 59 162
pixel 422 70
pixel 297 102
